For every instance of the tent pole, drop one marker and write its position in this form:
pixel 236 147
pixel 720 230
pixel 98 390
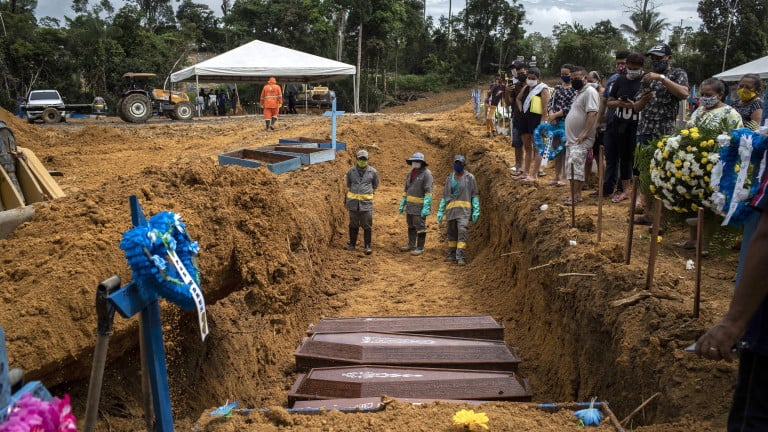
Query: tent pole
pixel 197 95
pixel 355 93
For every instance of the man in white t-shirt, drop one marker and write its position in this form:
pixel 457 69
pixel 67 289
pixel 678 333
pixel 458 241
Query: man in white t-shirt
pixel 580 130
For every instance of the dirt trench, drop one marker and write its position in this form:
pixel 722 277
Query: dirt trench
pixel 273 262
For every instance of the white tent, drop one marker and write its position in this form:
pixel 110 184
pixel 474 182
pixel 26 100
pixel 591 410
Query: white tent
pixel 759 66
pixel 256 61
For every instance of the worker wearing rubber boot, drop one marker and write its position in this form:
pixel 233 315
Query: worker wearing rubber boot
pixel 417 203
pixel 362 181
pixel 271 100
pixel 459 205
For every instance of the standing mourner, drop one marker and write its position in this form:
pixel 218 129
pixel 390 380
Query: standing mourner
pixel 417 203
pixel 362 181
pixel 749 104
pixel 20 100
pixel 494 98
pixel 511 99
pixel 459 205
pixel 532 103
pixel 222 101
pixel 271 99
pixel 604 117
pixel 579 130
pixel 200 103
pixel 663 89
pixel 745 326
pixel 557 108
pixel 213 97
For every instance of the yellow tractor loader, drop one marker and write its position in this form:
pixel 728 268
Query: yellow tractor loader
pixel 23 182
pixel 138 101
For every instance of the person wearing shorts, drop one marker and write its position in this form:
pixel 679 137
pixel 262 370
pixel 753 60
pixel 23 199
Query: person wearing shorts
pixel 531 102
pixel 579 131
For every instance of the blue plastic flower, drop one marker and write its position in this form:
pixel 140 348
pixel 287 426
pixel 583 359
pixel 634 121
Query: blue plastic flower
pixel 590 416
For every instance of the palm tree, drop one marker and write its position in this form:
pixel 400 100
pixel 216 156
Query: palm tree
pixel 646 25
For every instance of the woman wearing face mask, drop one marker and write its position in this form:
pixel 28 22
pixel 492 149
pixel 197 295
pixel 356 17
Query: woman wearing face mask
pixel 749 105
pixel 557 109
pixel 532 102
pixel 712 110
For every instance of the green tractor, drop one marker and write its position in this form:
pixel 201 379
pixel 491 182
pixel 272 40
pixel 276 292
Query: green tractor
pixel 139 101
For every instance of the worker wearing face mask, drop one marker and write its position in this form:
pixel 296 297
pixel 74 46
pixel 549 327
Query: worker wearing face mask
pixel 459 205
pixel 417 203
pixel 362 181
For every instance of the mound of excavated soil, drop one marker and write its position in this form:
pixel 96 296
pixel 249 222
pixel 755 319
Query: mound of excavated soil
pixel 272 262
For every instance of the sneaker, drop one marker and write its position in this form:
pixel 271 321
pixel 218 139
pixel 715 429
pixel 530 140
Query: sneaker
pixel 417 252
pixel 461 261
pixel 368 250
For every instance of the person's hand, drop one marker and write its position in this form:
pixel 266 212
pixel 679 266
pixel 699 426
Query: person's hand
pixel 401 209
pixel 425 211
pixel 719 341
pixel 439 217
pixel 475 217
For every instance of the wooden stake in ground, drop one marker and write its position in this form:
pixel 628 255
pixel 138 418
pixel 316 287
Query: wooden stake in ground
pixel 600 175
pixel 631 231
pixel 612 417
pixel 654 244
pixel 642 405
pixel 699 247
pixel 573 196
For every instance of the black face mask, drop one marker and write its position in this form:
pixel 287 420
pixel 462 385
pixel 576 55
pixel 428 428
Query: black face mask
pixel 522 77
pixel 577 84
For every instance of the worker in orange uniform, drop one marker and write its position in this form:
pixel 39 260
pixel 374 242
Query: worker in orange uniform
pixel 271 100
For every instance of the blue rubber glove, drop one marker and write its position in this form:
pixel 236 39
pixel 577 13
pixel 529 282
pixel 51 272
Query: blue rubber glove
pixel 402 205
pixel 440 211
pixel 475 209
pixel 427 209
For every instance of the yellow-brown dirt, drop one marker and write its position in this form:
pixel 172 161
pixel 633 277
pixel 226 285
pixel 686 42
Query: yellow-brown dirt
pixel 273 262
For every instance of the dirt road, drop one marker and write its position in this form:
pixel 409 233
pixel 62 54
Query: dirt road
pixel 273 262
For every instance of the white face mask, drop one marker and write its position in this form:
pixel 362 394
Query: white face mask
pixel 416 165
pixel 634 73
pixel 531 83
pixel 593 85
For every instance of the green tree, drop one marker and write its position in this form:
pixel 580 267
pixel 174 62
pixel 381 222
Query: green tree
pixel 748 39
pixel 647 24
pixel 487 19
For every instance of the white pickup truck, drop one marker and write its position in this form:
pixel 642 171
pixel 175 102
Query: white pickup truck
pixel 46 105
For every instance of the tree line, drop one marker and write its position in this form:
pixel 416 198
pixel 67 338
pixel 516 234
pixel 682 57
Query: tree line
pixel 398 48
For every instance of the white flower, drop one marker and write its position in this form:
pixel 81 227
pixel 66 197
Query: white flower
pixel 687 164
pixel 686 171
pixel 681 190
pixel 724 140
pixel 714 157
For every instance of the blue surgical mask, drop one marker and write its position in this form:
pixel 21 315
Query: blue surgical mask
pixel 565 78
pixel 458 167
pixel 659 66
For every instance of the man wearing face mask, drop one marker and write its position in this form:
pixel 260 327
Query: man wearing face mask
pixel 663 89
pixel 362 181
pixel 417 203
pixel 459 205
pixel 511 96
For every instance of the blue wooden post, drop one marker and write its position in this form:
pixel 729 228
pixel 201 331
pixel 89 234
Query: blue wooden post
pixel 130 300
pixel 333 114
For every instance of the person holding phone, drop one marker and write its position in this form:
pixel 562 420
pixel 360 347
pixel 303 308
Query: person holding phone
pixel 622 130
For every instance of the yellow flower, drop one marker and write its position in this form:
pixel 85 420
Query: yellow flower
pixel 659 238
pixel 669 174
pixel 704 160
pixel 653 189
pixel 694 207
pixel 470 419
pixel 688 196
pixel 737 168
pixel 706 179
pixel 711 142
pixel 694 129
pixel 689 149
pixel 695 135
pixel 679 174
pixel 660 145
pixel 678 163
pixel 684 132
pixel 665 154
pixel 709 167
pixel 704 154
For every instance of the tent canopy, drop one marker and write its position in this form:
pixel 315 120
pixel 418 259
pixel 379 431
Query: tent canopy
pixel 256 61
pixel 759 66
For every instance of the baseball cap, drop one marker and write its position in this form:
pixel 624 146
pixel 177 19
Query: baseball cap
pixel 460 158
pixel 417 157
pixel 362 154
pixel 661 49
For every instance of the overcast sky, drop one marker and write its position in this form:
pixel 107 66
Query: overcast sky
pixel 543 14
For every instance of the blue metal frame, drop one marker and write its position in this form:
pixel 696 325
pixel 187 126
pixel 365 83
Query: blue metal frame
pixel 130 300
pixel 36 388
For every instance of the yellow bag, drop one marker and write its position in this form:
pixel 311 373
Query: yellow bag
pixel 536 105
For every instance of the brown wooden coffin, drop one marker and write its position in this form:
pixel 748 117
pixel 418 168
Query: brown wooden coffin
pixel 397 382
pixel 403 349
pixel 367 404
pixel 466 326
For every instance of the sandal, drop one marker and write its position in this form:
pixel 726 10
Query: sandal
pixel 619 197
pixel 542 173
pixel 530 179
pixel 689 245
pixel 567 201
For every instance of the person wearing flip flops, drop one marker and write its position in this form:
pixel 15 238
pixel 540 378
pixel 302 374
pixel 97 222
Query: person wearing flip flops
pixel 557 108
pixel 532 102
pixel 417 203
pixel 579 131
pixel 621 132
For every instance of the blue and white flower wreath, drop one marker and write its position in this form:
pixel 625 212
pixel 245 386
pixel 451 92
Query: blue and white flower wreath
pixel 736 177
pixel 543 137
pixel 147 251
